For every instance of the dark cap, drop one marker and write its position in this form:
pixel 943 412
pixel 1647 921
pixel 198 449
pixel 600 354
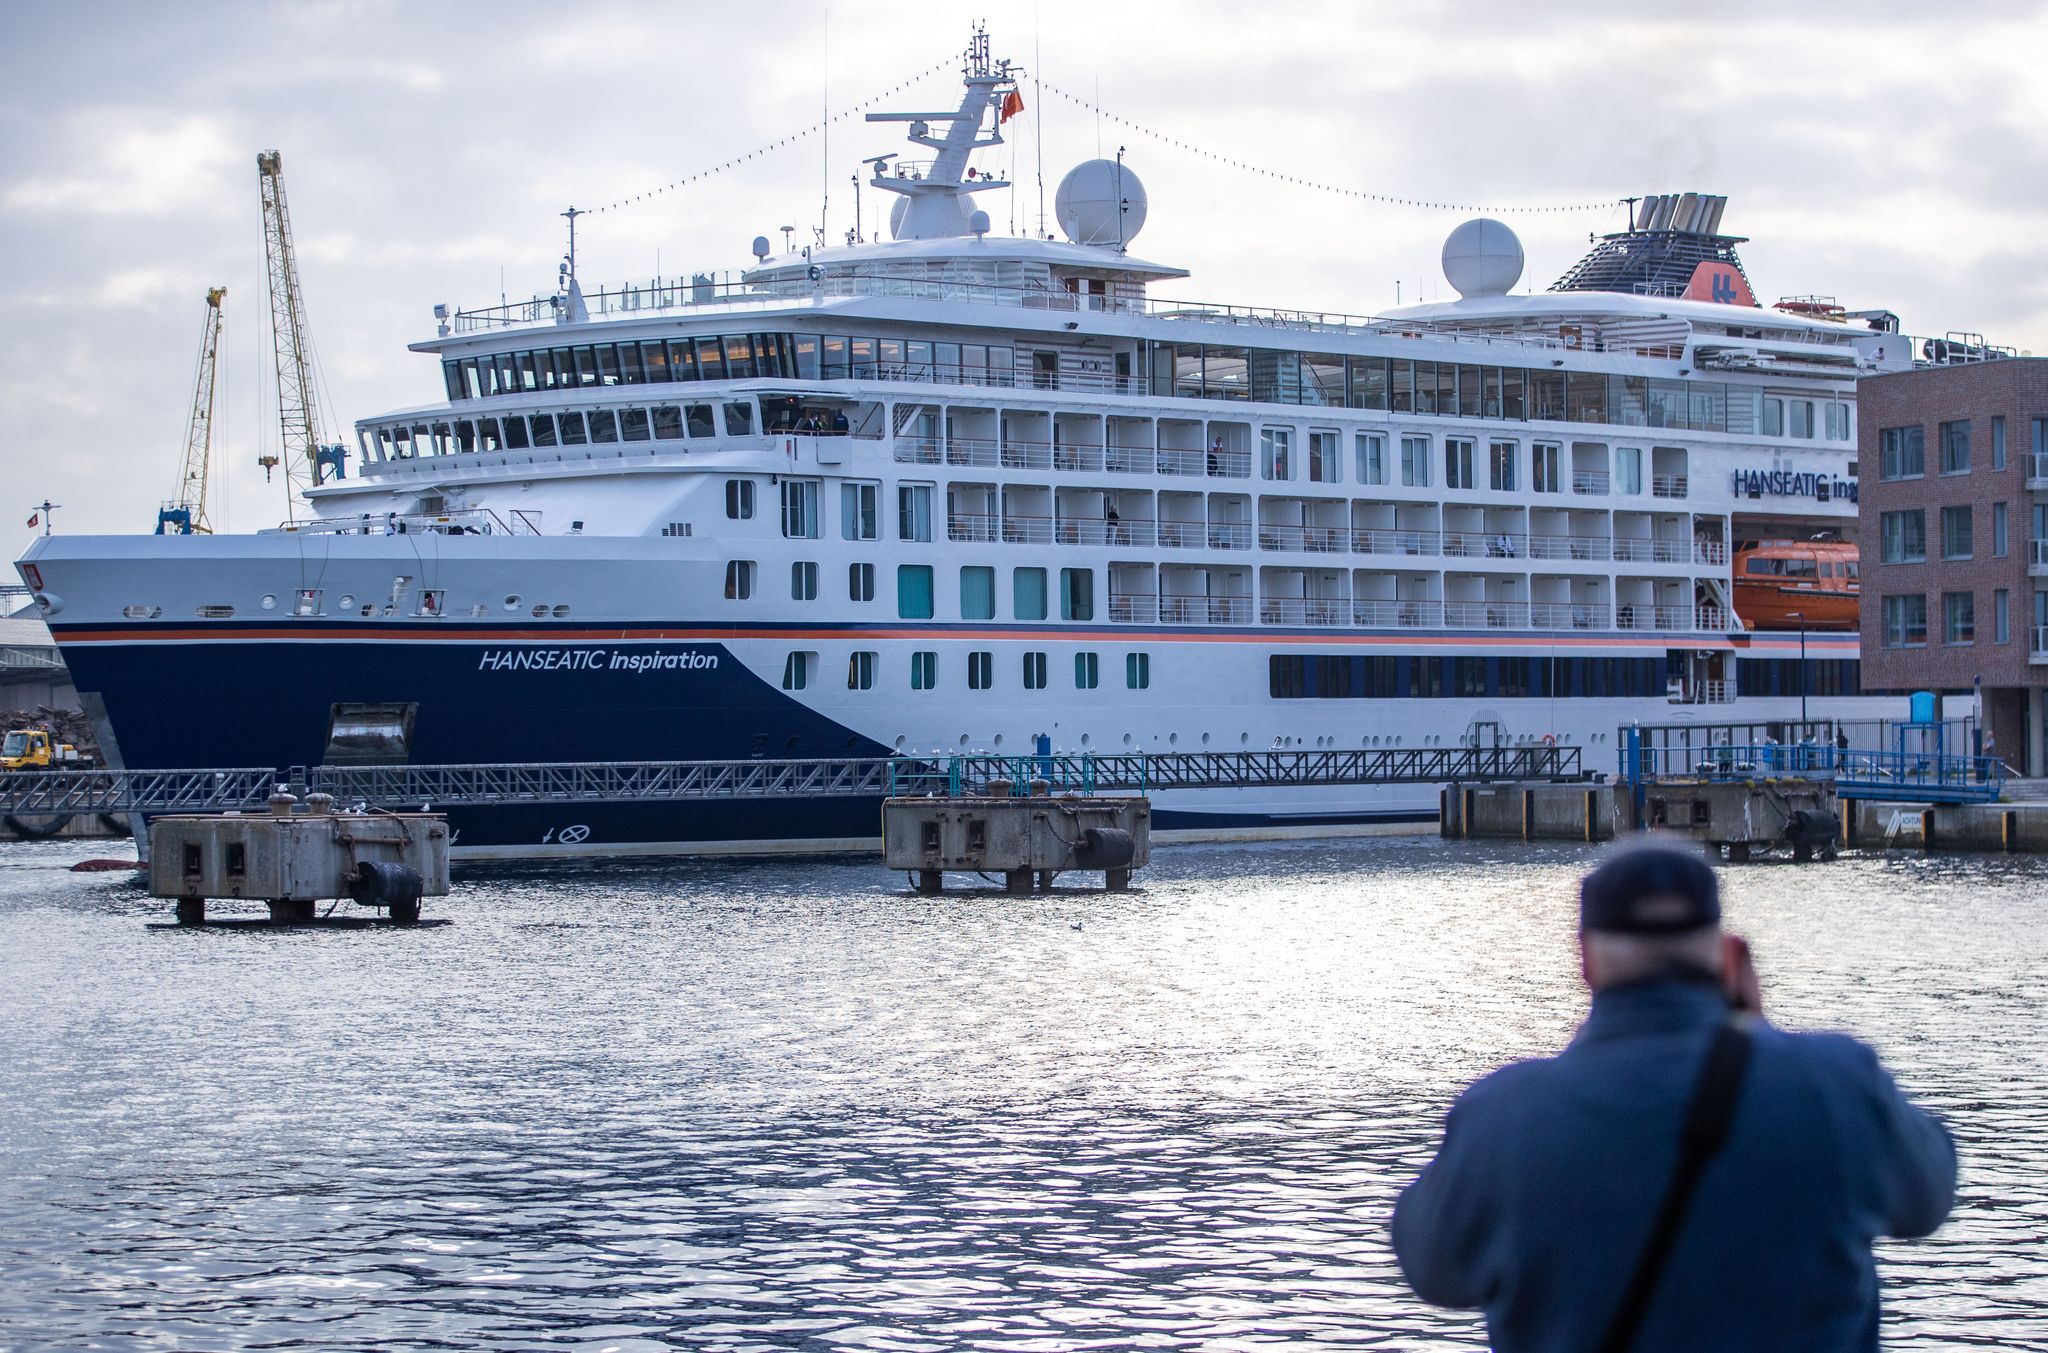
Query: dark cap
pixel 1650 890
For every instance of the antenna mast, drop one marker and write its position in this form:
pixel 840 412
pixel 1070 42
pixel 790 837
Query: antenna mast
pixel 306 458
pixel 185 513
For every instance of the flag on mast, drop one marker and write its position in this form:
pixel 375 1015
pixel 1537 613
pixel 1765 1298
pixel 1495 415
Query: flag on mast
pixel 1013 104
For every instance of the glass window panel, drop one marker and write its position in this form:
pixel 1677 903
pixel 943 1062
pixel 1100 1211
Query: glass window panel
pixel 633 424
pixel 914 591
pixel 572 429
pixel 668 422
pixel 806 348
pixel 710 360
pixel 1027 594
pixel 604 425
pixel 682 360
pixel 977 592
pixel 654 361
pixel 607 359
pixel 543 429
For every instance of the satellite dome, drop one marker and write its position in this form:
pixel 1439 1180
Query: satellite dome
pixel 901 208
pixel 1482 258
pixel 1092 198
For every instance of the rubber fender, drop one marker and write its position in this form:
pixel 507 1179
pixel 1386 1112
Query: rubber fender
pixel 1105 848
pixel 377 883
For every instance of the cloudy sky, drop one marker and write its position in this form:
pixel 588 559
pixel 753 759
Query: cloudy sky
pixel 1887 154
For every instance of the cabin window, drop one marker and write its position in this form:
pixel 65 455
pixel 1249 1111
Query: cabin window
pixel 800 509
pixel 739 418
pixel 797 669
pixel 860 582
pixel 1457 463
pixel 1077 594
pixel 859 511
pixel 1628 469
pixel 1027 594
pixel 739 579
pixel 633 425
pixel 604 425
pixel 1774 418
pixel 1415 462
pixel 803 580
pixel 1087 671
pixel 1500 466
pixel 1325 466
pixel 739 499
pixel 913 512
pixel 981 671
pixel 924 671
pixel 668 422
pixel 977 592
pixel 914 591
pixel 1543 475
pixel 1274 446
pixel 1370 449
pixel 1138 671
pixel 860 670
pixel 1034 671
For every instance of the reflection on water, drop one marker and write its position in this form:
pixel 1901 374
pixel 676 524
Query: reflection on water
pixel 763 1106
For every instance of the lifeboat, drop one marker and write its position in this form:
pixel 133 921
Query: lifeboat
pixel 1782 584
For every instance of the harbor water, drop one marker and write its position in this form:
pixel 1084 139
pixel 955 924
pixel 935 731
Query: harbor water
pixel 792 1105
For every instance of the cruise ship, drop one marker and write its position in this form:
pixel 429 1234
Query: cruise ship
pixel 956 491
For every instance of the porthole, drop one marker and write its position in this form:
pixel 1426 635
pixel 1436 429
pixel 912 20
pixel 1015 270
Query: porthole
pixel 1244 739
pixel 512 602
pixel 269 602
pixel 999 740
pixel 540 611
pixel 963 742
pixel 348 603
pixel 1205 739
pixel 1085 739
pixel 1173 739
pixel 142 612
pixel 561 612
pixel 1129 740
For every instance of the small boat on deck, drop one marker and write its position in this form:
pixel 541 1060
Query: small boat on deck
pixel 1784 584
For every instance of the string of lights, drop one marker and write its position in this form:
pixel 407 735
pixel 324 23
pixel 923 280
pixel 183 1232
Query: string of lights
pixel 1337 189
pixel 780 142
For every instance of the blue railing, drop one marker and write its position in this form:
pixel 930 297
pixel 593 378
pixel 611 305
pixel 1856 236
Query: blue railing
pixel 1857 773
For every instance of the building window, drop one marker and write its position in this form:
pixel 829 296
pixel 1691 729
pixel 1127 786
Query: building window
pixel 1077 594
pixel 1274 445
pixel 2001 617
pixel 803 581
pixel 1956 542
pixel 924 671
pixel 1415 462
pixel 2039 467
pixel 1628 469
pixel 796 671
pixel 1457 463
pixel 1138 671
pixel 860 582
pixel 1543 468
pixel 1325 466
pixel 1087 671
pixel 977 592
pixel 1998 442
pixel 800 509
pixel 1034 671
pixel 1955 447
pixel 913 512
pixel 2001 533
pixel 739 579
pixel 1500 470
pixel 1902 453
pixel 860 671
pixel 1959 617
pixel 859 511
pixel 980 671
pixel 739 499
pixel 1903 537
pixel 1370 449
pixel 1027 594
pixel 914 591
pixel 1905 621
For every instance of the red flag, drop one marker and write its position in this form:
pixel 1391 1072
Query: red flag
pixel 36 519
pixel 1013 104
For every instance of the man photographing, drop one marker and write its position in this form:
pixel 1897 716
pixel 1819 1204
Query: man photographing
pixel 1683 1175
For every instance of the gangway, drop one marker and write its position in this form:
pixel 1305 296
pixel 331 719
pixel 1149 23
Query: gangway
pixel 1897 775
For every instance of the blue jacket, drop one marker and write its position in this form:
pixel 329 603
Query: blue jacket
pixel 1550 1172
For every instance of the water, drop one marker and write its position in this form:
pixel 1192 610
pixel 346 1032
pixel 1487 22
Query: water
pixel 744 1106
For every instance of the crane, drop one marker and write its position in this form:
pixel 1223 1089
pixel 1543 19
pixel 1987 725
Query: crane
pixel 185 513
pixel 307 460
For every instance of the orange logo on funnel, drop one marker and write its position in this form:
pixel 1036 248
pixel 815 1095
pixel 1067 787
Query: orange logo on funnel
pixel 1721 283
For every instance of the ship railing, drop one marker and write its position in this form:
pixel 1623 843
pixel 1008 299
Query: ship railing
pixel 919 451
pixel 1562 615
pixel 1304 611
pixel 1590 481
pixel 1176 609
pixel 1486 614
pixel 1179 461
pixel 1646 550
pixel 481 521
pixel 1484 545
pixel 1314 539
pixel 1025 455
pixel 1133 608
pixel 1027 530
pixel 1389 540
pixel 1073 456
pixel 985 526
pixel 1398 614
pixel 1228 464
pixel 1182 535
pixel 1230 535
pixel 1712 552
pixel 1102 531
pixel 1583 548
pixel 1128 459
pixel 985 452
pixel 1668 486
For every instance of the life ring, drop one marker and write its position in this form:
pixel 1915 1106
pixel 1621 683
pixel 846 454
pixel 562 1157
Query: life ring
pixel 1550 739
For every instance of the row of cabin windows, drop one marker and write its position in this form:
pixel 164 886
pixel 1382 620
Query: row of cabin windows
pixel 727 357
pixel 1397 385
pixel 800 670
pixel 1307 676
pixel 545 431
pixel 1782 676
pixel 1902 451
pixel 1029 599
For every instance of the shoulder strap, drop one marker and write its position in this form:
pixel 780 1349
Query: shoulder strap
pixel 1706 1128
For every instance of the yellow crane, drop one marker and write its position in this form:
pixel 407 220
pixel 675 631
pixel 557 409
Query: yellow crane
pixel 307 460
pixel 185 513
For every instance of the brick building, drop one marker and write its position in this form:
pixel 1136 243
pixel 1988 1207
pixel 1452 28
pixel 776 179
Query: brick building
pixel 1953 518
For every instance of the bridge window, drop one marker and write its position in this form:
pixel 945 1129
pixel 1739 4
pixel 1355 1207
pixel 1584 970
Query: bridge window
pixel 860 582
pixel 980 670
pixel 739 579
pixel 1034 671
pixel 1138 671
pixel 860 670
pixel 1087 671
pixel 698 419
pixel 914 591
pixel 803 580
pixel 604 425
pixel 668 422
pixel 924 671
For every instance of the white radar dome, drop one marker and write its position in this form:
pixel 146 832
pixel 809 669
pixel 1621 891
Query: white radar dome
pixel 1100 202
pixel 1482 258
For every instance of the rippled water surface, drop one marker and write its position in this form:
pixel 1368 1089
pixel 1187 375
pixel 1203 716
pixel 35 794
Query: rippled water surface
pixel 789 1105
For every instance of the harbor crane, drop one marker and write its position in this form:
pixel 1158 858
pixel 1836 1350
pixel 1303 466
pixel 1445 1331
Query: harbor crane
pixel 185 512
pixel 308 461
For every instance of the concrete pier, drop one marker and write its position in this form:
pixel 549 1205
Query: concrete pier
pixel 1529 811
pixel 1029 839
pixel 2011 828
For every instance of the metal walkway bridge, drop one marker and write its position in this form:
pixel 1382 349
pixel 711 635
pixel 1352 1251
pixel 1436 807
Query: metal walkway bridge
pixel 1650 754
pixel 435 787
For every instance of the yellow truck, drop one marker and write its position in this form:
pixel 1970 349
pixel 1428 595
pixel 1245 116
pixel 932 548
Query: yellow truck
pixel 36 749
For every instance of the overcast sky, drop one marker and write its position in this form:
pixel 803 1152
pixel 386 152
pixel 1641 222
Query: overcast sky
pixel 1887 154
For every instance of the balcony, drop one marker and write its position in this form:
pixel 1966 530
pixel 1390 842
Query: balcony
pixel 1378 540
pixel 1127 459
pixel 1398 614
pixel 1303 611
pixel 1179 461
pixel 1018 455
pixel 1315 539
pixel 1191 610
pixel 1562 615
pixel 1230 535
pixel 1486 614
pixel 983 451
pixel 1711 552
pixel 973 526
pixel 1638 550
pixel 1668 486
pixel 1182 535
pixel 1586 549
pixel 1028 530
pixel 1484 545
pixel 1133 608
pixel 1102 531
pixel 1588 482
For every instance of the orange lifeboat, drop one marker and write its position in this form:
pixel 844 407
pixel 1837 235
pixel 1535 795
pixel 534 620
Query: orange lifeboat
pixel 1779 582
